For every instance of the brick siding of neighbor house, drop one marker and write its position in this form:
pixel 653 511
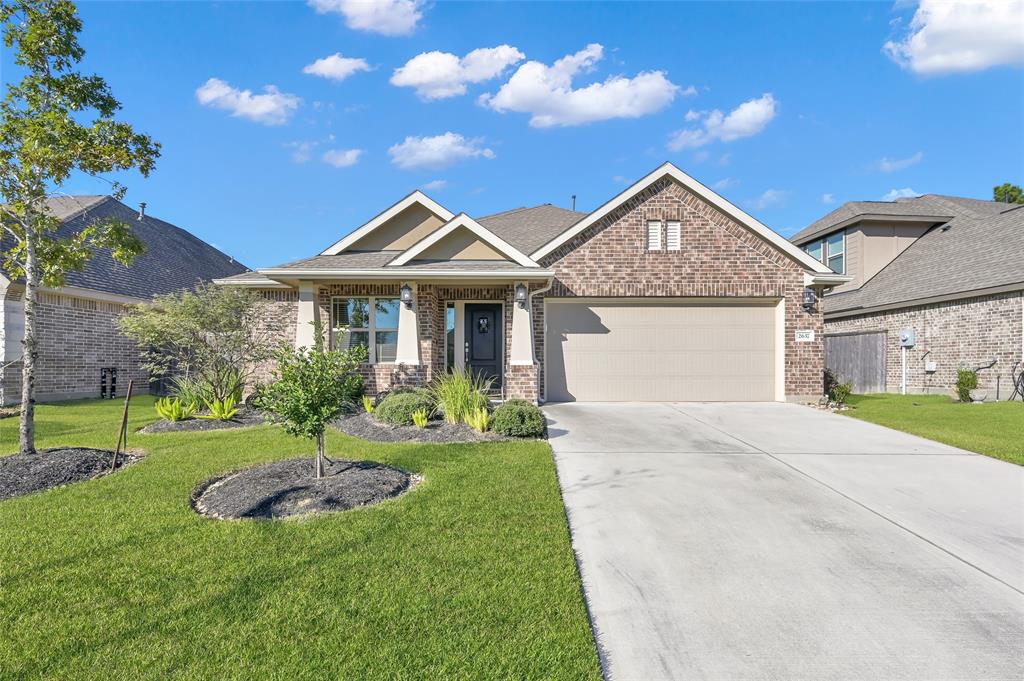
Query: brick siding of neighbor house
pixel 970 332
pixel 718 258
pixel 77 337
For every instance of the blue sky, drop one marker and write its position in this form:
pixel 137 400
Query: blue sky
pixel 787 109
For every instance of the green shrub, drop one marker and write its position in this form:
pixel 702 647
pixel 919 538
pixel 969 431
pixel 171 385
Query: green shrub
pixel 966 381
pixel 191 390
pixel 173 409
pixel 420 418
pixel 398 408
pixel 840 392
pixel 518 418
pixel 221 410
pixel 478 419
pixel 368 404
pixel 352 388
pixel 459 393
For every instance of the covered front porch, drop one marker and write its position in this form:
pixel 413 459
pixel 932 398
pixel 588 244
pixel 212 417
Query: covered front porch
pixel 414 329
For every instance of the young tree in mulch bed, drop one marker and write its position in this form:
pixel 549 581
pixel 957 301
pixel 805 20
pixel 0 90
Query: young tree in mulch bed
pixel 55 122
pixel 309 389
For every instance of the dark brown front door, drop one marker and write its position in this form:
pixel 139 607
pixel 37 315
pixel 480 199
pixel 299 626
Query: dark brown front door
pixel 483 341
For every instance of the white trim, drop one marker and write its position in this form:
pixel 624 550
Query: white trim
pixel 417 274
pixel 251 283
pixel 92 294
pixel 415 197
pixel 829 278
pixel 463 220
pixel 700 190
pixel 780 351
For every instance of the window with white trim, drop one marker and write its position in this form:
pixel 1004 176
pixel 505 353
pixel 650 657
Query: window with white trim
pixel 654 235
pixel 836 248
pixel 673 235
pixel 352 324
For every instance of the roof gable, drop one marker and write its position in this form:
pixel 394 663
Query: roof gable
pixel 399 226
pixel 670 170
pixel 454 232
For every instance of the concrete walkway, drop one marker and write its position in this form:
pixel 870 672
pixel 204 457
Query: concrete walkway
pixel 773 541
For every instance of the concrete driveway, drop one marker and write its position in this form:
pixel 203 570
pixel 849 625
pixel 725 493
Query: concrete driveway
pixel 774 541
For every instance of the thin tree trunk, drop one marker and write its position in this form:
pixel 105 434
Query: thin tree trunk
pixel 27 429
pixel 320 456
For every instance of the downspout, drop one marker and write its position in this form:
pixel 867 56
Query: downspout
pixel 543 339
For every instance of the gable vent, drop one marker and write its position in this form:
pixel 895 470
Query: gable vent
pixel 654 235
pixel 673 235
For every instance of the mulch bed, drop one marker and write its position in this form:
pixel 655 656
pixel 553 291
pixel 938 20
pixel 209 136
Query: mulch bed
pixel 244 418
pixel 48 468
pixel 367 427
pixel 287 488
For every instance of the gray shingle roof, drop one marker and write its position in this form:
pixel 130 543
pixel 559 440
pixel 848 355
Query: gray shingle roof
pixel 530 228
pixel 349 260
pixel 979 247
pixel 174 259
pixel 925 206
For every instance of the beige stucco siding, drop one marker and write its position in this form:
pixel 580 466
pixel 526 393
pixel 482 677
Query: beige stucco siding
pixel 400 232
pixel 461 244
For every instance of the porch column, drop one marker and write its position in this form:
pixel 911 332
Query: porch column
pixel 521 352
pixel 304 336
pixel 408 350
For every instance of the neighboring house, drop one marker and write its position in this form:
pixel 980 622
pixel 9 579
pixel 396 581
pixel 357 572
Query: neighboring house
pixel 78 334
pixel 951 269
pixel 665 292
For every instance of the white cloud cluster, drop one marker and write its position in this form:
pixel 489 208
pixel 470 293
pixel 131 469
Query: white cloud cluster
pixel 748 119
pixel 435 185
pixel 894 194
pixel 436 152
pixel 547 93
pixel 769 198
pixel 950 36
pixel 342 158
pixel 271 108
pixel 828 199
pixel 386 17
pixel 336 67
pixel 891 165
pixel 437 75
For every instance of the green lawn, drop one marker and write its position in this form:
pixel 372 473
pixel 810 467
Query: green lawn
pixel 471 575
pixel 995 429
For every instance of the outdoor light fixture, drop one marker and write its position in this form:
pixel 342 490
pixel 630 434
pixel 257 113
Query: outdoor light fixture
pixel 810 298
pixel 406 293
pixel 521 294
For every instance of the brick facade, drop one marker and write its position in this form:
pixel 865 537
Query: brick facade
pixel 970 332
pixel 719 258
pixel 77 337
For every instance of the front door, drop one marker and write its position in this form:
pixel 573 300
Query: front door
pixel 483 341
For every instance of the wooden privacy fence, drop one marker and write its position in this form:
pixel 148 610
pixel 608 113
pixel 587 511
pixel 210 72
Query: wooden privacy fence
pixel 857 358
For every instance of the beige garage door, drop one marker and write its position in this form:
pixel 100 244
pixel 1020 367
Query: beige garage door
pixel 651 351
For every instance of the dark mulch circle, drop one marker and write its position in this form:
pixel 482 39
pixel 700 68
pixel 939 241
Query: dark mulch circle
pixel 365 426
pixel 48 468
pixel 287 488
pixel 244 418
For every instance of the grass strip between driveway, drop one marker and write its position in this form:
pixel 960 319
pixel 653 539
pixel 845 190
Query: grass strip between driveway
pixel 471 575
pixel 994 429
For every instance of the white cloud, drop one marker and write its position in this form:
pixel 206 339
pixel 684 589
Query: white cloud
pixel 386 17
pixel 546 92
pixel 690 91
pixel 828 199
pixel 891 165
pixel 342 158
pixel 770 197
pixel 748 119
pixel 435 185
pixel 271 108
pixel 621 179
pixel 950 36
pixel 301 151
pixel 724 183
pixel 436 152
pixel 894 194
pixel 336 67
pixel 437 75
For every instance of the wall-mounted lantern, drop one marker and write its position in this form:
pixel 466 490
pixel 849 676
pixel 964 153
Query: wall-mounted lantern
pixel 521 295
pixel 810 298
pixel 406 293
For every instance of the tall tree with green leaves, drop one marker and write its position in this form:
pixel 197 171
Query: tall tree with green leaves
pixel 54 122
pixel 1008 193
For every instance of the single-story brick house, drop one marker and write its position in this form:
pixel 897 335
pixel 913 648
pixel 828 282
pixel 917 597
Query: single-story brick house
pixel 78 334
pixel 949 269
pixel 665 292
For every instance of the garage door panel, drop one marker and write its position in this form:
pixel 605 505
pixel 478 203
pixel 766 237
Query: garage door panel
pixel 659 352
